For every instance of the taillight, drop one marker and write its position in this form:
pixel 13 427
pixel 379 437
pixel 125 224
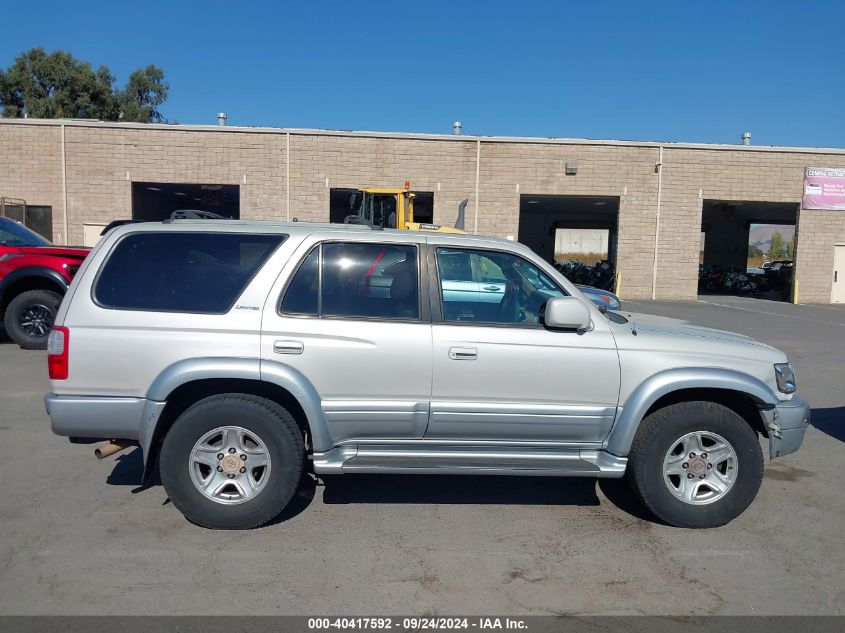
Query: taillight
pixel 57 352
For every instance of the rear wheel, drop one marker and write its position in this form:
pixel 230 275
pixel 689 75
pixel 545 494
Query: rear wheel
pixel 232 461
pixel 696 464
pixel 30 317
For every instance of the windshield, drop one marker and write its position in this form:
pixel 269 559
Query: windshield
pixel 15 234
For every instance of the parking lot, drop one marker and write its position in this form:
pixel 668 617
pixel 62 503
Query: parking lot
pixel 83 537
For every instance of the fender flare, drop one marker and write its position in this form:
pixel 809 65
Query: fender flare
pixel 630 415
pixel 193 369
pixel 32 271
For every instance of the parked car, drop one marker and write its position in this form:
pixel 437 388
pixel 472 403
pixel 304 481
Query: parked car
pixel 34 276
pixel 235 353
pixel 604 299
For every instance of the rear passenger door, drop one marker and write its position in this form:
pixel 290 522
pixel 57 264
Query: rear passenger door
pixel 348 315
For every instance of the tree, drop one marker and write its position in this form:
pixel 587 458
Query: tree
pixel 57 85
pixel 790 249
pixel 776 249
pixel 145 91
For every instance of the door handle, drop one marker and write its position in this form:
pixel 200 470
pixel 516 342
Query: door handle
pixel 492 288
pixel 288 347
pixel 463 353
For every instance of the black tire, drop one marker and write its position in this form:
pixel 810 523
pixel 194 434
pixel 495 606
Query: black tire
pixel 267 420
pixel 46 302
pixel 656 436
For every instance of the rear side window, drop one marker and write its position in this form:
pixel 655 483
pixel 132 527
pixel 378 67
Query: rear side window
pixel 302 295
pixel 344 279
pixel 181 272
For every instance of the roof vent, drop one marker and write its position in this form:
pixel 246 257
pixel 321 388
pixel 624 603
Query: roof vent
pixel 221 118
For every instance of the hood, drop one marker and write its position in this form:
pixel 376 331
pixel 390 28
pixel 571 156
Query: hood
pixel 78 252
pixel 666 325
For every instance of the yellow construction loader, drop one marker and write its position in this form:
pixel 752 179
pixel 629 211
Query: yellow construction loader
pixel 394 209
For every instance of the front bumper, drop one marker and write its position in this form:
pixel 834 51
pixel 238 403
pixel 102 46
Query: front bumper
pixel 786 424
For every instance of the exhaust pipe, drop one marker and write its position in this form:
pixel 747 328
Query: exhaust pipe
pixel 459 223
pixel 115 446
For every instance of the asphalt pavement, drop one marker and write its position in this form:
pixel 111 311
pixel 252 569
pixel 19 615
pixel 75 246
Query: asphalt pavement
pixel 78 536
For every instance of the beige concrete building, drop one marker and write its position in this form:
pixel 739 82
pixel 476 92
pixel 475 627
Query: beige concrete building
pixel 654 199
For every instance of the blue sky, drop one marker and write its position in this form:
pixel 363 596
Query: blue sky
pixel 700 71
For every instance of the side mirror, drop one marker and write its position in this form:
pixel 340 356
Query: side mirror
pixel 566 313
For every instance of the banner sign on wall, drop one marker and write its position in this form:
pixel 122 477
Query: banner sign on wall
pixel 824 189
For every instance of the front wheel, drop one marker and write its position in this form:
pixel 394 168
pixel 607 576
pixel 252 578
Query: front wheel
pixel 232 461
pixel 30 317
pixel 696 464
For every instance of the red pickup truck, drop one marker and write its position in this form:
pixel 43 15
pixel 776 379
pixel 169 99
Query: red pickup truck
pixel 34 276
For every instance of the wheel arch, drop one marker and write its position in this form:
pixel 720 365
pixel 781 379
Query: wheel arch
pixel 30 278
pixel 741 392
pixel 186 382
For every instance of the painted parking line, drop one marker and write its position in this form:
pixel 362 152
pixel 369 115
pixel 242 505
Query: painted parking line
pixel 839 308
pixel 780 314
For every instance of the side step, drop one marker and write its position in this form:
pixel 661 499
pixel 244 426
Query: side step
pixel 469 460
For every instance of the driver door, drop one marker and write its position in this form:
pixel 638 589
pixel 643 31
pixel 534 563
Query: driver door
pixel 499 375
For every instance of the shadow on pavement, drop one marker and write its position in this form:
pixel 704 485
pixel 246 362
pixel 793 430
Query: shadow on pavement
pixel 425 489
pixel 459 489
pixel 129 466
pixel 830 421
pixel 480 490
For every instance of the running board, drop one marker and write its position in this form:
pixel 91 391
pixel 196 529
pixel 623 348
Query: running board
pixel 468 460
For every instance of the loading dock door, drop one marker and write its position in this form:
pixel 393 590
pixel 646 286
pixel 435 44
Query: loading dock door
pixel 155 201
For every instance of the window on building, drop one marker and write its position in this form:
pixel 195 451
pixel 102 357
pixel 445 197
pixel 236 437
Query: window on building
pixel 182 272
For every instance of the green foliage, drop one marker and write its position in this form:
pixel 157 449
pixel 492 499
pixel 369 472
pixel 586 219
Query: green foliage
pixel 754 251
pixel 777 250
pixel 145 91
pixel 57 85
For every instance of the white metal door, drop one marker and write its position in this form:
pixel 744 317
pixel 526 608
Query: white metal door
pixel 837 294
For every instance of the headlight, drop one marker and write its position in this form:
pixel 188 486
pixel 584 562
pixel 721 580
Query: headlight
pixel 785 376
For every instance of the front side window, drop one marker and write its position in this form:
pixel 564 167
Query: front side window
pixel 492 287
pixel 181 272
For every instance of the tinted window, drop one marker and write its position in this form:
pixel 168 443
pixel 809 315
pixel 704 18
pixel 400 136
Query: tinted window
pixel 14 234
pixel 370 280
pixel 492 287
pixel 301 297
pixel 181 272
pixel 455 266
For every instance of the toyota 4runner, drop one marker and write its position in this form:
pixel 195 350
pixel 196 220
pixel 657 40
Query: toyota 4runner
pixel 235 353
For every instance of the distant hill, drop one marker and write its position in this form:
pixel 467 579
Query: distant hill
pixel 760 235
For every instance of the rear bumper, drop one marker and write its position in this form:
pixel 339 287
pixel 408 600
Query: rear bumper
pixel 103 417
pixel 786 424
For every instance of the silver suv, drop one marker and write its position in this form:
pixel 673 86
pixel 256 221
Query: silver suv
pixel 235 353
